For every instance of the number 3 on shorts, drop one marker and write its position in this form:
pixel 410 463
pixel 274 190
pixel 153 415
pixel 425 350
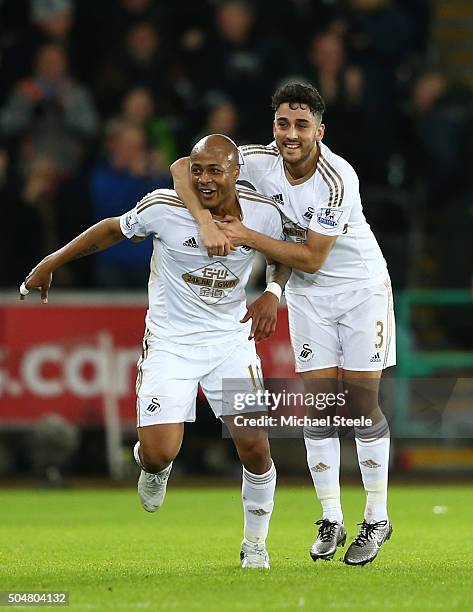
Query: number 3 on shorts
pixel 379 334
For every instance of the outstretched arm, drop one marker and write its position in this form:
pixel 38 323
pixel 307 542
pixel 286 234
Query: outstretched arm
pixel 264 311
pixel 97 238
pixel 308 256
pixel 213 239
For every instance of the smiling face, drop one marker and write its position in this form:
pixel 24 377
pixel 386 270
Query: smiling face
pixel 296 132
pixel 214 172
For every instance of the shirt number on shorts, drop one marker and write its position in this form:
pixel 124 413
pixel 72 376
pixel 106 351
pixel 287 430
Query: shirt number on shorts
pixel 379 334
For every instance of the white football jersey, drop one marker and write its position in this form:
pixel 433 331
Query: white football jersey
pixel 327 202
pixel 193 298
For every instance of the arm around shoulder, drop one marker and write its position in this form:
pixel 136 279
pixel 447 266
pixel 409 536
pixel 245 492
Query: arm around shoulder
pixel 213 239
pixel 183 187
pixel 307 257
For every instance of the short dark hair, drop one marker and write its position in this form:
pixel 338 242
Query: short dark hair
pixel 299 93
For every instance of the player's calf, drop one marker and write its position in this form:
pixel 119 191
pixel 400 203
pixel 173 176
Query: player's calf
pixel 362 396
pixel 158 446
pixel 254 453
pixel 258 486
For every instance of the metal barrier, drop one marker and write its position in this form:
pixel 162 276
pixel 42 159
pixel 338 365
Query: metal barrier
pixel 414 363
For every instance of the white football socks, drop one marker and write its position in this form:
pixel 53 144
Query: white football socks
pixel 372 446
pixel 323 459
pixel 258 501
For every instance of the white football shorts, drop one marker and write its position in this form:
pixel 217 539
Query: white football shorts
pixel 354 330
pixel 169 375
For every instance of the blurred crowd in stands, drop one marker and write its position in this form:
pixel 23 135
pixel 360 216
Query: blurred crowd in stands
pixel 97 98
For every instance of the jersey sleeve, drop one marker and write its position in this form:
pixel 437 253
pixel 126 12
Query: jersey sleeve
pixel 246 171
pixel 147 217
pixel 273 224
pixel 278 226
pixel 255 162
pixel 132 224
pixel 332 214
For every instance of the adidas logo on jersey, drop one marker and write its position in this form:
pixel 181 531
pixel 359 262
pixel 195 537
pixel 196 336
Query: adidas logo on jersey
pixel 191 242
pixel 375 359
pixel 277 197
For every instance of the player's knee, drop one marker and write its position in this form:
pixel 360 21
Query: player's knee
pixel 362 404
pixel 366 410
pixel 156 460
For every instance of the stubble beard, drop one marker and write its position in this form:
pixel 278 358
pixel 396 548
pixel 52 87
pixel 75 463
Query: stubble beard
pixel 296 163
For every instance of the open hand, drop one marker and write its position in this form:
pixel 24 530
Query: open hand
pixel 263 313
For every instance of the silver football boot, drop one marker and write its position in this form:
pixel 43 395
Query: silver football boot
pixel 331 534
pixel 152 489
pixel 368 542
pixel 254 556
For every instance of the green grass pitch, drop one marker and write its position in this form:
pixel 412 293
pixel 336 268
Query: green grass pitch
pixel 111 555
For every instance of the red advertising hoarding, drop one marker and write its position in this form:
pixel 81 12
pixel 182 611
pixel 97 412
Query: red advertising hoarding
pixel 63 359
